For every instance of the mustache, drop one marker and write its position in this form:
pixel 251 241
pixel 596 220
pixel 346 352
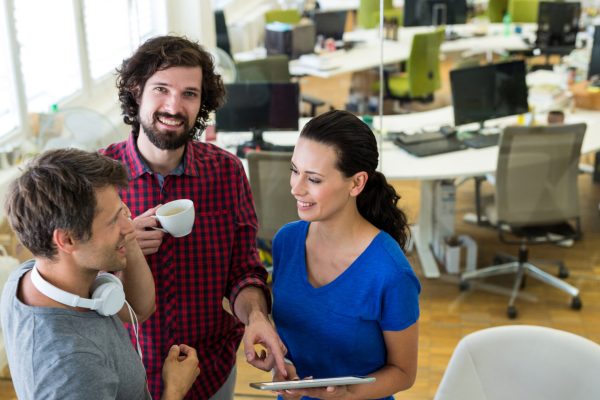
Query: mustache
pixel 178 116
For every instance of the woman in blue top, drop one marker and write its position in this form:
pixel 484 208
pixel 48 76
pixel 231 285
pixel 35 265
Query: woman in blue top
pixel 345 299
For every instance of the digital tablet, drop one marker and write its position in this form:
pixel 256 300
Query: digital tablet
pixel 312 383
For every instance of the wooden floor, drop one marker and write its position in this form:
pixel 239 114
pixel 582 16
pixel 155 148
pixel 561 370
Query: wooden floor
pixel 448 314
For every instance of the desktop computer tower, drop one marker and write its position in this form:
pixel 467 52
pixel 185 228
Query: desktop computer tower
pixel 290 40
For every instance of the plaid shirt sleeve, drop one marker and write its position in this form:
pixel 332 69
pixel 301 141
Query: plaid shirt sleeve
pixel 194 273
pixel 247 269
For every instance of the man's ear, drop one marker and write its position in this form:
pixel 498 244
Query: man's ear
pixel 63 240
pixel 136 91
pixel 359 180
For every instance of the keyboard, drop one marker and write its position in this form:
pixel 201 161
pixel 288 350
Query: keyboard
pixel 432 147
pixel 481 141
pixel 416 137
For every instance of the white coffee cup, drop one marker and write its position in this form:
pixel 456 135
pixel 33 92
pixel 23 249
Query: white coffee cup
pixel 176 217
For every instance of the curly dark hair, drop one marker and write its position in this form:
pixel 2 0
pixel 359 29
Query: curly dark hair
pixel 356 149
pixel 158 54
pixel 58 191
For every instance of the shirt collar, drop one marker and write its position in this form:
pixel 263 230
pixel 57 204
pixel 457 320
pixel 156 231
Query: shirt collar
pixel 139 166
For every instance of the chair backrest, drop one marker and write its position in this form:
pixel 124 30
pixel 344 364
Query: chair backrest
pixel 286 16
pixel 269 174
pixel 523 10
pixel 423 65
pixel 365 13
pixel 522 362
pixel 536 174
pixel 496 10
pixel 269 69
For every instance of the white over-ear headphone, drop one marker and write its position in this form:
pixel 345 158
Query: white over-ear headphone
pixel 107 297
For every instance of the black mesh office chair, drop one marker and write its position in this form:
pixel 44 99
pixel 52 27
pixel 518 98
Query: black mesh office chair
pixel 536 200
pixel 222 32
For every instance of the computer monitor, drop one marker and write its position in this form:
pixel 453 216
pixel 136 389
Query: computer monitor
pixel 259 107
pixel 490 91
pixel 558 24
pixel 330 24
pixel 594 67
pixel 434 12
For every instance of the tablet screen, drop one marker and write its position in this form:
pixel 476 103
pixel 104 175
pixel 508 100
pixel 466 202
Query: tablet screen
pixel 310 383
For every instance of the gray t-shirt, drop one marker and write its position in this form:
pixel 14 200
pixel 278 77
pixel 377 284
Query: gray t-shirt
pixel 55 353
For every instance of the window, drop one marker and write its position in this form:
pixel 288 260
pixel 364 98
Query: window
pixel 107 34
pixel 61 47
pixel 8 115
pixel 115 27
pixel 148 15
pixel 48 51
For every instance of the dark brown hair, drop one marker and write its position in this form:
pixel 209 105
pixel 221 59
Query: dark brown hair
pixel 158 54
pixel 356 149
pixel 58 191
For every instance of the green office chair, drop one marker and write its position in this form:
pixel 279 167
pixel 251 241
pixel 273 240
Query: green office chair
pixel 496 10
pixel 422 76
pixel 273 69
pixel 368 13
pixel 523 10
pixel 286 16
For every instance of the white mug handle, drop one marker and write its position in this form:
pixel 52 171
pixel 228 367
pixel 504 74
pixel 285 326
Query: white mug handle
pixel 157 228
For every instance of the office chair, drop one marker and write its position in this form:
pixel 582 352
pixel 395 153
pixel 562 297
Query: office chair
pixel 269 174
pixel 273 69
pixel 522 362
pixel 536 200
pixel 422 76
pixel 523 10
pixel 368 13
pixel 222 32
pixel 285 16
pixel 496 10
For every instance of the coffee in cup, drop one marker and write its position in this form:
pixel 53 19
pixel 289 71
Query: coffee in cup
pixel 176 217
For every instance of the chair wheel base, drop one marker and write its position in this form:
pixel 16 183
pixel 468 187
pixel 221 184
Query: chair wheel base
pixel 511 312
pixel 576 303
pixel 464 285
pixel 563 272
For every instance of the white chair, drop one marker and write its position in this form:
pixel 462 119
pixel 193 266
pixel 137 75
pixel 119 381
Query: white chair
pixel 522 362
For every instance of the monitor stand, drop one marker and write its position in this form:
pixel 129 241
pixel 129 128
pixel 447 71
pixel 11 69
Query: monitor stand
pixel 257 143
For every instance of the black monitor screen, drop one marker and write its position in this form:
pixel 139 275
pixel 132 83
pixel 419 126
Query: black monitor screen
pixel 489 91
pixel 594 68
pixel 330 24
pixel 434 12
pixel 558 24
pixel 259 107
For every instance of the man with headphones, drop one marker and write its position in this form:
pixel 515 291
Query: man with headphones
pixel 60 314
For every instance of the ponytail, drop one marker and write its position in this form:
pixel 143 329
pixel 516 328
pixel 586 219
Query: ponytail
pixel 378 204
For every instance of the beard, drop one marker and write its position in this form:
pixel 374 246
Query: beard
pixel 168 140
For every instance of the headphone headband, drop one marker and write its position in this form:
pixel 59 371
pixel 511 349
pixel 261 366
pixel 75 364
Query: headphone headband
pixel 107 297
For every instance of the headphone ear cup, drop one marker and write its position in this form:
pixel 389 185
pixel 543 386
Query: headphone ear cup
pixel 108 289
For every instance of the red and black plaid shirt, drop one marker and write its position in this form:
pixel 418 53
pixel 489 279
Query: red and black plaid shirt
pixel 194 273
